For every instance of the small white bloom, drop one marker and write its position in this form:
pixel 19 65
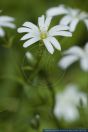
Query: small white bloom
pixel 29 56
pixel 71 18
pixel 73 54
pixel 5 21
pixel 40 32
pixel 67 102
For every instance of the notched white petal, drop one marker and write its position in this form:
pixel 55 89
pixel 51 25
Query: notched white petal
pixel 27 36
pixel 66 61
pixel 30 25
pixel 59 28
pixel 41 22
pixel 23 30
pixel 6 19
pixel 66 20
pixel 75 50
pixel 83 15
pixel 61 33
pixel 47 22
pixel 30 42
pixel 73 25
pixel 56 11
pixel 55 43
pixel 49 46
pixel 7 24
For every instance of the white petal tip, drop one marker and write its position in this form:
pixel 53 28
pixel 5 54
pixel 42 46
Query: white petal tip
pixel 71 30
pixel 14 26
pixel 1 36
pixel 18 30
pixel 51 52
pixel 25 46
pixel 59 49
pixel 21 39
pixel 70 35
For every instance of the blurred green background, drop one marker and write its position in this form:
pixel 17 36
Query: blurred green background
pixel 27 106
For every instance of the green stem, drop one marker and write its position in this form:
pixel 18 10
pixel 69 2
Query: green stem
pixel 37 68
pixel 51 89
pixel 49 84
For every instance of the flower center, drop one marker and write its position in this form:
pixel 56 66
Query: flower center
pixel 43 35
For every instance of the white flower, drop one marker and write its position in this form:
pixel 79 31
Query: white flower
pixel 71 18
pixel 5 21
pixel 40 32
pixel 67 102
pixel 73 54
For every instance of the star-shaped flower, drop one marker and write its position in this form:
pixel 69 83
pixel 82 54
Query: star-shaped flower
pixel 71 18
pixel 67 102
pixel 74 54
pixel 41 32
pixel 5 21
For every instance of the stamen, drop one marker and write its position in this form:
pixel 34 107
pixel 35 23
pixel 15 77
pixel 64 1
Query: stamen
pixel 43 35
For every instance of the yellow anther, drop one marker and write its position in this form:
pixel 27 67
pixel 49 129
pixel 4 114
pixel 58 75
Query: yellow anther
pixel 43 35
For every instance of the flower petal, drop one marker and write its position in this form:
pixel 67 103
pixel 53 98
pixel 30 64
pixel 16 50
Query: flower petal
pixel 23 30
pixel 86 48
pixel 73 25
pixel 75 50
pixel 73 12
pixel 84 64
pixel 47 22
pixel 56 11
pixel 41 22
pixel 27 36
pixel 7 24
pixel 30 25
pixel 83 15
pixel 48 46
pixel 31 34
pixel 71 113
pixel 6 19
pixel 61 33
pixel 30 42
pixel 58 110
pixel 66 20
pixel 66 61
pixel 58 28
pixel 55 43
pixel 2 33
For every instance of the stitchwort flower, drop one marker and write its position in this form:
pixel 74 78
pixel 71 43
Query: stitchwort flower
pixel 74 54
pixel 6 21
pixel 41 32
pixel 67 102
pixel 71 18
